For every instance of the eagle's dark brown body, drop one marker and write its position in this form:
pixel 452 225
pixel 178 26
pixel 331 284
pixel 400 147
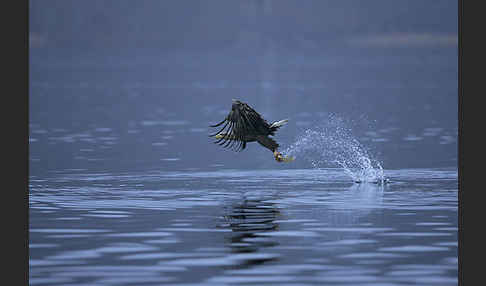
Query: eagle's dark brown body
pixel 242 125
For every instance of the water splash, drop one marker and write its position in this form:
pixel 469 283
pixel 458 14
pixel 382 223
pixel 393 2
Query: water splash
pixel 332 144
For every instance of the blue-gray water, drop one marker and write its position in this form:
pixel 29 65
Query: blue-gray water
pixel 279 227
pixel 126 187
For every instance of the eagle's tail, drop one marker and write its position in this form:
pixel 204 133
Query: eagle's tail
pixel 277 124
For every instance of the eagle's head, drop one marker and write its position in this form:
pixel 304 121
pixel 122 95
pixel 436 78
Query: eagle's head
pixel 236 105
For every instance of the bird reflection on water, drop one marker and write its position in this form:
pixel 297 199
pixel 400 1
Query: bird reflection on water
pixel 268 227
pixel 247 219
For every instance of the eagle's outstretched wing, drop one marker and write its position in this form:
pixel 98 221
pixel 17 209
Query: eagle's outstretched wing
pixel 241 123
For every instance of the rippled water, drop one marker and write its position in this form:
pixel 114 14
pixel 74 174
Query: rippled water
pixel 126 188
pixel 230 227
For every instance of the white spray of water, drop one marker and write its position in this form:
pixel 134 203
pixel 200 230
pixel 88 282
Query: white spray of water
pixel 332 144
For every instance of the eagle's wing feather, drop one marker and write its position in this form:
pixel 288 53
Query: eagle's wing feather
pixel 214 134
pixel 255 120
pixel 225 138
pixel 216 125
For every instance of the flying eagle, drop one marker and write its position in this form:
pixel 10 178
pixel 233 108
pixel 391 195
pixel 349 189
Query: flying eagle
pixel 242 125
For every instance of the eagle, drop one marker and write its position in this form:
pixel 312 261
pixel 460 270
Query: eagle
pixel 242 125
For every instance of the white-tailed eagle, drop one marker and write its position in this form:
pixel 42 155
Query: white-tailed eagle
pixel 242 125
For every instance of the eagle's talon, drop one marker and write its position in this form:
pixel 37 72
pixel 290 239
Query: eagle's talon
pixel 278 156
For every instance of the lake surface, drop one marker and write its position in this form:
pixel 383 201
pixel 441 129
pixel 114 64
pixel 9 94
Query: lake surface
pixel 126 188
pixel 230 227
